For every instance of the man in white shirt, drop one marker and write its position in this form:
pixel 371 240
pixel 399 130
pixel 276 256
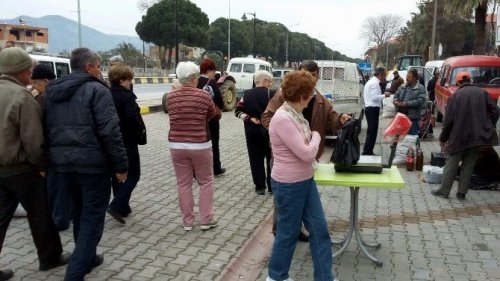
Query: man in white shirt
pixel 373 96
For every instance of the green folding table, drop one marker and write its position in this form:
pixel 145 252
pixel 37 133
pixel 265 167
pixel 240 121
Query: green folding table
pixel 389 178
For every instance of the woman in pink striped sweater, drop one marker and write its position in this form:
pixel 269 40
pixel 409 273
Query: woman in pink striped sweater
pixel 189 110
pixel 296 196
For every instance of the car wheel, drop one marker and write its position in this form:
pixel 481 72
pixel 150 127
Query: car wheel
pixel 164 102
pixel 228 90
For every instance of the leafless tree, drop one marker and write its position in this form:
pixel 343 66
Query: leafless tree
pixel 379 30
pixel 144 5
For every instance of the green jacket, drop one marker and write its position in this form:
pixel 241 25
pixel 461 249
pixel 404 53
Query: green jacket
pixel 22 140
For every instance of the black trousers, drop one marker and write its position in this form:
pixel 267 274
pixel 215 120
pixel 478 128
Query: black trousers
pixel 259 153
pixel 122 191
pixel 214 128
pixel 29 190
pixel 372 115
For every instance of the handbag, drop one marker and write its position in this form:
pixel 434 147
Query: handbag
pixel 141 133
pixel 347 150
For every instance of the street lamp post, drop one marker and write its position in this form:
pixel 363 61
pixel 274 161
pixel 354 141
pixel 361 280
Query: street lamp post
pixel 176 36
pixel 244 18
pixel 286 44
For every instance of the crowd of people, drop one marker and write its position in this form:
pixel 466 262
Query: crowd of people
pixel 71 142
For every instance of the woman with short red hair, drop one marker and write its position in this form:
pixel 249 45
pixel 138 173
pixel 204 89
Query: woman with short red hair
pixel 208 83
pixel 296 196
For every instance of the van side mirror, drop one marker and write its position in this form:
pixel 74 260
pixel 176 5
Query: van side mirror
pixel 443 81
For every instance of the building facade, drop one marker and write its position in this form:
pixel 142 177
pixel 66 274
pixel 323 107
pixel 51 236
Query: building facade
pixel 31 38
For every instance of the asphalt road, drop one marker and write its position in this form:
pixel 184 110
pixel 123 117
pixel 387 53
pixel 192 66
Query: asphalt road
pixel 146 92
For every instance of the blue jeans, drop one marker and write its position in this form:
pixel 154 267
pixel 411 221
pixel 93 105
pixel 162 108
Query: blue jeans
pixel 296 203
pixel 414 129
pixel 123 191
pixel 90 193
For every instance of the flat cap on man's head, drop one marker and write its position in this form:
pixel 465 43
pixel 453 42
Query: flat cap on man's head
pixel 14 60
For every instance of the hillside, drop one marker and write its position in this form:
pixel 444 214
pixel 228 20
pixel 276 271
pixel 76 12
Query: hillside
pixel 63 34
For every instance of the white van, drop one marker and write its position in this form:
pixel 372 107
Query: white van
pixel 243 71
pixel 60 66
pixel 339 80
pixel 432 65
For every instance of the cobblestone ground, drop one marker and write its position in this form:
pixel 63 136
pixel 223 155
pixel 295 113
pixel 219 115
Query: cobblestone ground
pixel 152 245
pixel 423 237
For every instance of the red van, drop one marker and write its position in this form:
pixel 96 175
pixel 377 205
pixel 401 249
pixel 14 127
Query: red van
pixel 485 72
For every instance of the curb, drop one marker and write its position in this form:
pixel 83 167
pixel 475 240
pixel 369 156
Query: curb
pixel 150 109
pixel 252 257
pixel 152 80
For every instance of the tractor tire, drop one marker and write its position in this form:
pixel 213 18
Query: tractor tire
pixel 228 91
pixel 164 102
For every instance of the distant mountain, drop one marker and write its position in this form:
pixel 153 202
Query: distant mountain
pixel 63 34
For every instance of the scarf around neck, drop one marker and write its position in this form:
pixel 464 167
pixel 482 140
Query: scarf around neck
pixel 298 118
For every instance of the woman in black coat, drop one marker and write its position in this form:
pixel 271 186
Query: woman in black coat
pixel 208 83
pixel 133 132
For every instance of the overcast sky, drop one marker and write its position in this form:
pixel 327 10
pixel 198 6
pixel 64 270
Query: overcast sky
pixel 335 22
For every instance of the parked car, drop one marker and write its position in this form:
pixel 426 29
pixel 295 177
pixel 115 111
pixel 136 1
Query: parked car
pixel 485 73
pixel 239 78
pixel 278 74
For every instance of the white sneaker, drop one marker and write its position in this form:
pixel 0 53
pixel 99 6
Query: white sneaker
pixel 187 227
pixel 270 279
pixel 209 225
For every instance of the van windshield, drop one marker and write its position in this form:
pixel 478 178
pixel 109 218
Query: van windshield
pixel 481 75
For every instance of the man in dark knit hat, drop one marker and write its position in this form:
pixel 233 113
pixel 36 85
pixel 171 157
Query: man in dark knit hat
pixel 41 76
pixel 23 161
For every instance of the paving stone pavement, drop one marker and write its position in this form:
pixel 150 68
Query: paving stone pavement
pixel 423 237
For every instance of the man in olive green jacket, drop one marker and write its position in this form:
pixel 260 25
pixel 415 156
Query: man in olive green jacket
pixel 23 161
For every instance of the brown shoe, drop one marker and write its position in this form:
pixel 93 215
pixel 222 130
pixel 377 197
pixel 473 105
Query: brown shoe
pixel 439 194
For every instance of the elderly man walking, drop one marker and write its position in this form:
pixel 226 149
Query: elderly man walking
pixel 86 148
pixel 468 124
pixel 23 161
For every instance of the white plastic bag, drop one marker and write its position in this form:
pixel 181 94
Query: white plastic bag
pixel 402 149
pixel 432 174
pixel 389 110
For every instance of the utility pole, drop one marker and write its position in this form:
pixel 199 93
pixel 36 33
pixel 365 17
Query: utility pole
pixel 244 18
pixel 433 40
pixel 79 26
pixel 229 34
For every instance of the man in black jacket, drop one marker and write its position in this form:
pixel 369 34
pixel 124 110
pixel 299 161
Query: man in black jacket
pixel 469 123
pixel 86 148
